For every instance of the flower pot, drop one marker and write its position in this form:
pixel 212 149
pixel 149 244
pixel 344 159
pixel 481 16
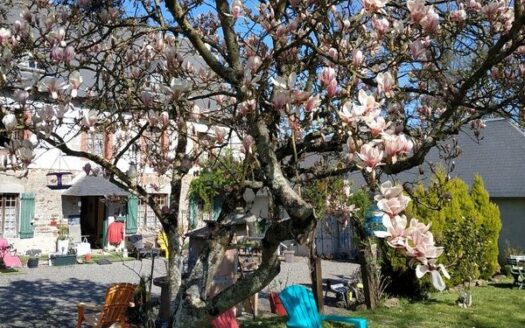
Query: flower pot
pixel 88 258
pixel 32 262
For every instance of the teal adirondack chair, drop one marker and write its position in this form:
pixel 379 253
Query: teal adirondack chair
pixel 302 311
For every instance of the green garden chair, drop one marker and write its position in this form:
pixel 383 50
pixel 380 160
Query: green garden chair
pixel 302 311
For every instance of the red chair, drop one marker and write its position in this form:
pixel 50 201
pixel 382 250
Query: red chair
pixel 10 260
pixel 226 320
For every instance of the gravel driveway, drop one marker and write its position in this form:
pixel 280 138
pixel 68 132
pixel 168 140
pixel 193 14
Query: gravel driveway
pixel 47 296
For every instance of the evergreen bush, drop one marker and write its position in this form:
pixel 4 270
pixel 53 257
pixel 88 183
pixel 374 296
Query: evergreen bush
pixel 464 222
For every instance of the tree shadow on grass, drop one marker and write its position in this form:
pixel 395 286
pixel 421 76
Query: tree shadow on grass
pixel 44 303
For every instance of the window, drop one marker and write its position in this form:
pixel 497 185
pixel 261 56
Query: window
pixel 95 143
pixel 146 214
pixel 9 215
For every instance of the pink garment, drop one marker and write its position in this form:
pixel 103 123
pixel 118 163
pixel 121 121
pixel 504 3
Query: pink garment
pixel 115 233
pixel 10 261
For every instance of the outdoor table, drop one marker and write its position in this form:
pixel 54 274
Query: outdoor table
pixel 518 258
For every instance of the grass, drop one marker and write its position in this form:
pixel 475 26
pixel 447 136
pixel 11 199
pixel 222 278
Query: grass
pixel 494 306
pixel 8 271
pixel 281 323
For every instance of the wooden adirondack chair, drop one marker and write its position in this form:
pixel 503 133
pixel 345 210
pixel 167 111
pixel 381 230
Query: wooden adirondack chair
pixel 118 298
pixel 225 320
pixel 302 311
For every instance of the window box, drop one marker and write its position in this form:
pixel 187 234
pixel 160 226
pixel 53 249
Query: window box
pixel 61 260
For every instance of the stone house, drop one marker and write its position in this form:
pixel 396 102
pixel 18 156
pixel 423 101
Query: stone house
pixel 31 205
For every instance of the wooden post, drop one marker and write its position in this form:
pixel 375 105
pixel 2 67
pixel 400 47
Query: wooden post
pixel 318 284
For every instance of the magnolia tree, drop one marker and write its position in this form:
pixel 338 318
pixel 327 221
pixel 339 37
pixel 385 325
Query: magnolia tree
pixel 366 86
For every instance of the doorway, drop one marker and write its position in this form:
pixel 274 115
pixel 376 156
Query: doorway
pixel 92 216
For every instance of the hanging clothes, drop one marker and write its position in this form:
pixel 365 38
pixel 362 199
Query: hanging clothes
pixel 115 233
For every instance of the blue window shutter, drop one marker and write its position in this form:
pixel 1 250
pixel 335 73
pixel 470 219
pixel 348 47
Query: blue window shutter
pixel 27 213
pixel 133 212
pixel 217 208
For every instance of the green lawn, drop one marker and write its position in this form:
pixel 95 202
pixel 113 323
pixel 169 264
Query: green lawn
pixel 494 306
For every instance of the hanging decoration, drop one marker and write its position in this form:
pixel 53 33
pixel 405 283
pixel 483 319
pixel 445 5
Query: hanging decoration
pixel 59 179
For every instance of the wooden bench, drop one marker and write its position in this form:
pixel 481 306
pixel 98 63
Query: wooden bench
pixel 516 267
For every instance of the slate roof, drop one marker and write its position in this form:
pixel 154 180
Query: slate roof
pixel 499 157
pixel 93 186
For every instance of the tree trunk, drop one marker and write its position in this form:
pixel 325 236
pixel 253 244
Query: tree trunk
pixel 369 272
pixel 174 270
pixel 316 274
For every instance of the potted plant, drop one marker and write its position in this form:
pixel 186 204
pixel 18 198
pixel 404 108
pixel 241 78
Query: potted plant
pixel 63 239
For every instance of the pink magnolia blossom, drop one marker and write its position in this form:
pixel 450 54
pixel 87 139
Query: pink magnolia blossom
pixel 299 97
pixel 5 36
pixel 164 118
pixel 474 5
pixel 397 145
pixel 389 190
pixel 248 144
pixel 56 54
pixel 90 119
pixel 237 8
pixel 312 103
pixel 430 22
pixel 147 98
pixel 395 233
pixel 54 87
pixel 332 52
pixel 416 241
pixel 423 15
pixel 393 206
pixel 372 6
pixel 417 10
pixel 253 63
pixel 421 246
pixel 357 58
pixel 419 47
pixel 493 9
pixel 247 107
pixel 377 126
pixel 385 84
pixel 176 88
pixel 69 54
pixel 380 25
pixel 327 75
pixel 371 157
pixel 433 269
pixel 415 225
pixel 368 104
pixel 332 88
pixel 459 15
pixel 75 79
pixel 350 114
pixel 10 122
pixel 153 118
pixel 280 99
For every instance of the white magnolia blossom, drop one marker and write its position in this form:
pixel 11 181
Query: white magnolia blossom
pixel 10 122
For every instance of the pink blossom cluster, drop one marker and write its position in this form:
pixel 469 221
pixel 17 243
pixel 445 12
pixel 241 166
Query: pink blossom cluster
pixel 364 119
pixel 412 239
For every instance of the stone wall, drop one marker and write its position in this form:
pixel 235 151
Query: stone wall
pixel 51 206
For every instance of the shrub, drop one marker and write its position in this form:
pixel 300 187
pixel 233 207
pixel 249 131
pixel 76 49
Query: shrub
pixel 464 222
